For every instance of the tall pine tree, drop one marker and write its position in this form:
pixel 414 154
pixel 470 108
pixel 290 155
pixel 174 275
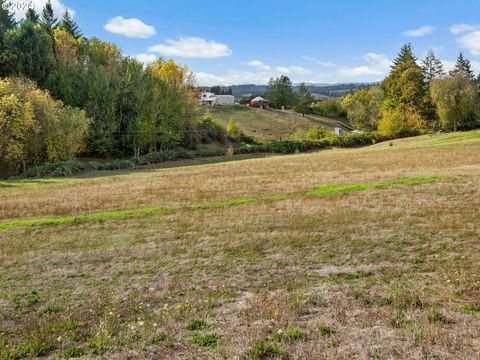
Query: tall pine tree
pixel 404 56
pixel 432 67
pixel 49 22
pixel 70 25
pixel 462 67
pixel 32 16
pixel 7 21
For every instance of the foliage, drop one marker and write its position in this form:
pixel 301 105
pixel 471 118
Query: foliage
pixel 401 122
pixel 35 128
pixel 405 85
pixel 363 107
pixel 279 92
pixel 304 100
pixel 330 108
pixel 456 100
pixel 432 67
pixel 210 131
pixel 462 67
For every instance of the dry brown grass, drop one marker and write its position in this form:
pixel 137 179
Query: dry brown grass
pixel 372 265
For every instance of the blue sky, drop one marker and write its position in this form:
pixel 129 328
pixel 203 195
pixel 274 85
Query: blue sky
pixel 226 42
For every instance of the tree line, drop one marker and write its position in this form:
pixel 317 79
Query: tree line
pixel 415 98
pixel 129 108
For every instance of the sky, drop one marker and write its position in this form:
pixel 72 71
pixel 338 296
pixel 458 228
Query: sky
pixel 315 41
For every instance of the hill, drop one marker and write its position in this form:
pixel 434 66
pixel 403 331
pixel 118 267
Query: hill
pixel 346 253
pixel 330 90
pixel 271 124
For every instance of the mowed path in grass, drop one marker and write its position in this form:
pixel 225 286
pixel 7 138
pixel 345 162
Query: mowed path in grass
pixel 358 253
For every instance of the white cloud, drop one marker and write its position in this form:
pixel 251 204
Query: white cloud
pixel 132 28
pixel 192 47
pixel 378 64
pixel 145 58
pixel 463 28
pixel 259 65
pixel 421 31
pixel 300 70
pixel 471 41
pixel 320 62
pixel 293 69
pixel 233 77
pixel 282 69
pixel 57 5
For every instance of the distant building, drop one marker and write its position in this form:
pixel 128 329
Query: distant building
pixel 259 102
pixel 209 98
pixel 224 100
pixel 338 131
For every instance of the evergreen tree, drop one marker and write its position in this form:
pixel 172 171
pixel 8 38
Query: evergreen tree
pixel 432 67
pixel 279 92
pixel 31 48
pixel 405 87
pixel 404 56
pixel 7 21
pixel 462 67
pixel 70 25
pixel 304 99
pixel 49 20
pixel 32 16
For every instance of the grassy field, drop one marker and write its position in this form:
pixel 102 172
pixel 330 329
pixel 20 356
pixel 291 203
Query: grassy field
pixel 340 254
pixel 271 124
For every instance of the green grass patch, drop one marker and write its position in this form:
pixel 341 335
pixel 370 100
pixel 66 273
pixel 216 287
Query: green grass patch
pixel 325 330
pixel 206 340
pixel 265 350
pixel 196 324
pixel 469 309
pixel 345 188
pixel 324 190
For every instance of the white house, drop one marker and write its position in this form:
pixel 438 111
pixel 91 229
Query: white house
pixel 209 98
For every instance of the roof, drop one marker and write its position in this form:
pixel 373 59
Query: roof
pixel 259 98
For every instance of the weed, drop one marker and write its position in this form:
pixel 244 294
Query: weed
pixel 206 340
pixel 469 308
pixel 325 330
pixel 290 334
pixel 435 315
pixel 74 351
pixel 264 350
pixel 196 324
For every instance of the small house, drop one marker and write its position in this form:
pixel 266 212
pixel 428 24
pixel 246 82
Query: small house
pixel 207 98
pixel 259 102
pixel 338 131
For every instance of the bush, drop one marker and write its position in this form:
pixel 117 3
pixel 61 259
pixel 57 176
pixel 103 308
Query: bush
pixel 210 131
pixel 401 122
pixel 330 108
pixel 35 128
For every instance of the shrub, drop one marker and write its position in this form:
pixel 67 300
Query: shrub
pixel 401 122
pixel 330 108
pixel 35 128
pixel 210 131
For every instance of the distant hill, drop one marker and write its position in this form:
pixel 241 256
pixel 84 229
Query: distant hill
pixel 328 90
